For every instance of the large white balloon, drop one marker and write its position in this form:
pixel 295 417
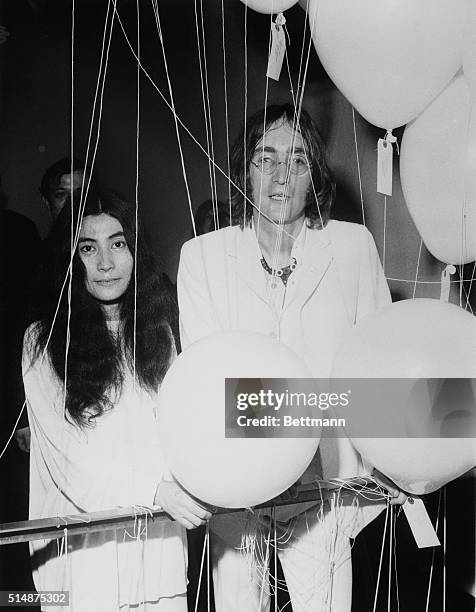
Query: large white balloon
pixel 438 174
pixel 420 338
pixel 469 56
pixel 228 472
pixel 269 6
pixel 388 58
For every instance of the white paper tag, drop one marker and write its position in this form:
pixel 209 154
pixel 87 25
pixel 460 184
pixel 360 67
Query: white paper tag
pixel 446 282
pixel 384 167
pixel 420 523
pixel 276 54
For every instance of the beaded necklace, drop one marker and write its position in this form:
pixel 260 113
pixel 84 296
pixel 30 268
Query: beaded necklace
pixel 283 273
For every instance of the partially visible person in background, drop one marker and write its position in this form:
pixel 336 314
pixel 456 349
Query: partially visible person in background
pixel 59 180
pixel 20 249
pixel 20 246
pixel 211 216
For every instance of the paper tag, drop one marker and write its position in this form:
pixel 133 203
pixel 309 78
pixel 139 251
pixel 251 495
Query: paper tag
pixel 420 523
pixel 446 282
pixel 384 167
pixel 276 55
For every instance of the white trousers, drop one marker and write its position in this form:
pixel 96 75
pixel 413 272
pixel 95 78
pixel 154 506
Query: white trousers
pixel 313 549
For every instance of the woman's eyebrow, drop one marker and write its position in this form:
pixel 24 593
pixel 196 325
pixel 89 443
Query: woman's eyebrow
pixel 116 235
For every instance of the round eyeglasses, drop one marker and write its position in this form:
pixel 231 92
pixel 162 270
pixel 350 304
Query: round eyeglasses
pixel 267 164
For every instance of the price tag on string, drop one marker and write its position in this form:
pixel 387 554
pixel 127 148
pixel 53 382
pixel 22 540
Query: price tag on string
pixel 420 523
pixel 278 48
pixel 384 166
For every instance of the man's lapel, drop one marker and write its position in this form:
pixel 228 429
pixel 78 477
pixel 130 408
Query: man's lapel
pixel 316 259
pixel 248 263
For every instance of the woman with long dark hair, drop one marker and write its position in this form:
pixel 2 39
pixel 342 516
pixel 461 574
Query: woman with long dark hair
pixel 92 367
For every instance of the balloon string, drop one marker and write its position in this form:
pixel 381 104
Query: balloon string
pixel 301 59
pixel 470 286
pixel 245 103
pixel 182 124
pixel 384 232
pixel 227 132
pixel 422 282
pixel 427 607
pixel 381 558
pixel 172 102
pixel 206 101
pixel 444 549
pixel 275 561
pixel 395 568
pixel 207 540
pixel 101 78
pixel 358 166
pixel 390 544
pixel 204 88
pixel 263 581
pixel 258 225
pixel 136 195
pixel 417 268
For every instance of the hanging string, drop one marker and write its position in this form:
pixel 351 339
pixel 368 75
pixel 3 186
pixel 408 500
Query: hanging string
pixel 182 124
pixel 427 606
pixel 262 143
pixel 390 558
pixel 384 254
pixel 295 131
pixel 468 295
pixel 205 96
pixel 416 272
pixel 67 279
pixel 245 105
pixel 227 134
pixel 301 59
pixel 155 8
pixel 358 166
pixel 384 537
pixel 265 564
pixel 136 235
pixel 444 549
pixel 207 540
pixel 212 147
pixel 275 552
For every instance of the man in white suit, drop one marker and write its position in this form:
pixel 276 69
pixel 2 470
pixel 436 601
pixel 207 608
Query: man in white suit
pixel 284 269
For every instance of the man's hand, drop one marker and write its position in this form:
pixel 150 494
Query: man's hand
pixel 181 507
pixel 398 497
pixel 22 436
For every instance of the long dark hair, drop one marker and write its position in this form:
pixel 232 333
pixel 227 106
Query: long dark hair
pixel 95 359
pixel 319 199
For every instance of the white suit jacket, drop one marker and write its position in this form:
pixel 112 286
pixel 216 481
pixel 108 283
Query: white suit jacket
pixel 338 280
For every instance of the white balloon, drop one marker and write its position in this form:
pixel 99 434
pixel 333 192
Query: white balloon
pixel 389 59
pixel 469 57
pixel 228 472
pixel 420 338
pixel 269 6
pixel 438 174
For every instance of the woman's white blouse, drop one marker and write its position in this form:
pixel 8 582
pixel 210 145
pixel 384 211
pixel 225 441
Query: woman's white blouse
pixel 116 462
